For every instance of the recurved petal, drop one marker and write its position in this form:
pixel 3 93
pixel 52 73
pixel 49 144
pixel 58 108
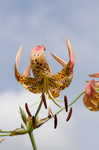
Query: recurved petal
pixel 95 75
pixel 27 81
pixel 16 73
pixel 18 55
pixel 71 54
pixel 90 88
pixel 97 84
pixel 26 72
pixel 59 60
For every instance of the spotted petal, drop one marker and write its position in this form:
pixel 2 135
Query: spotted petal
pixel 30 83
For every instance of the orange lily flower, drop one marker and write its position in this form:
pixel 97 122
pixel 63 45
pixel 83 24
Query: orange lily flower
pixel 43 80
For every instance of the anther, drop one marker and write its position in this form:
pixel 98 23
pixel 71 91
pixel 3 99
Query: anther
pixel 33 119
pixel 49 116
pixel 44 100
pixel 66 103
pixel 50 113
pixel 69 114
pixel 55 121
pixel 27 110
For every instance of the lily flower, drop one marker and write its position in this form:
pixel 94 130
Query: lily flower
pixel 38 76
pixel 91 97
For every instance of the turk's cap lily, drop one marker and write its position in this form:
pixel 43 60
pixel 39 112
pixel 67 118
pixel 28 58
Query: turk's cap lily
pixel 91 97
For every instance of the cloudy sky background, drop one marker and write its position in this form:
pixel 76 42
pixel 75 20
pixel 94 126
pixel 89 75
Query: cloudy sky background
pixel 33 22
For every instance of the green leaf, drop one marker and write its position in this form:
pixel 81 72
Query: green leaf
pixel 23 115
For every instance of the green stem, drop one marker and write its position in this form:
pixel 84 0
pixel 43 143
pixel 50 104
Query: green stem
pixel 32 140
pixel 3 131
pixel 74 101
pixel 4 134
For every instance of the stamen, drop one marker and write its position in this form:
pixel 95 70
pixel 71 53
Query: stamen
pixel 49 116
pixel 44 100
pixel 66 103
pixel 55 121
pixel 69 114
pixel 27 110
pixel 33 119
pixel 50 113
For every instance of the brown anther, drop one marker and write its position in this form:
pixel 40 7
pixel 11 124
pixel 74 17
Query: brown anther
pixel 27 110
pixel 33 119
pixel 66 103
pixel 55 121
pixel 49 112
pixel 49 116
pixel 44 100
pixel 69 114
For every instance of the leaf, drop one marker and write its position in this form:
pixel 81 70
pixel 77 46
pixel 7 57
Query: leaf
pixel 23 115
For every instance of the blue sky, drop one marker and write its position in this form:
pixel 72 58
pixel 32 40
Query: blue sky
pixel 34 22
